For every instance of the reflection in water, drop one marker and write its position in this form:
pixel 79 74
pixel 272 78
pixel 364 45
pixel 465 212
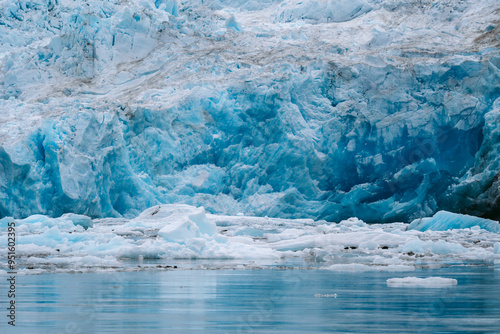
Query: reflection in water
pixel 256 301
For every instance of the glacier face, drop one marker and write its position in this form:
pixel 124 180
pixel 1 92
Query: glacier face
pixel 319 109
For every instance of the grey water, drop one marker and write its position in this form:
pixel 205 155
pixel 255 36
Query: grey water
pixel 255 301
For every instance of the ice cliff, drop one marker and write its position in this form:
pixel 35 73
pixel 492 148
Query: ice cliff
pixel 382 110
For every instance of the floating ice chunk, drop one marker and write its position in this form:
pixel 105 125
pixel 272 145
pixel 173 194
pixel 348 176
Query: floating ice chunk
pixel 200 219
pixel 348 238
pixel 429 282
pixel 324 228
pixel 444 220
pixel 75 261
pixel 353 221
pixel 328 295
pixel 442 247
pixel 81 220
pixel 160 216
pixel 180 230
pixel 32 249
pixel 287 234
pixel 350 267
pixel 177 223
pixel 68 222
pixel 369 245
pixel 414 246
pixel 364 267
pixel 4 222
pixel 439 247
pixel 396 267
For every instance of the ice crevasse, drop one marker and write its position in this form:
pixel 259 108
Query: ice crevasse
pixel 272 108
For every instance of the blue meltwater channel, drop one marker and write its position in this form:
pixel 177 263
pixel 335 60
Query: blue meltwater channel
pixel 256 301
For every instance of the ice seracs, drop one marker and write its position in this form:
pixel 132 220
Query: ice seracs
pixel 322 11
pixel 381 110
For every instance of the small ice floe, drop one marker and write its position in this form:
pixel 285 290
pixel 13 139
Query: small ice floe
pixel 496 248
pixel 359 267
pixel 429 282
pixel 444 221
pixel 319 295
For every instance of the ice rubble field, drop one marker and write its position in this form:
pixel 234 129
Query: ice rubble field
pixel 163 235
pixel 382 110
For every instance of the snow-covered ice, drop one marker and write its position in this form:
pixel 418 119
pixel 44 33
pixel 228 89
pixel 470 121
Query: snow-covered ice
pixel 164 235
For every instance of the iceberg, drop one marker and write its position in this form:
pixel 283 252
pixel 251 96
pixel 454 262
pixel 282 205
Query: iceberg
pixel 444 220
pixel 177 223
pixel 356 267
pixel 429 282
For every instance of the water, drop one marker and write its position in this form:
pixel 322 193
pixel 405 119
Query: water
pixel 256 301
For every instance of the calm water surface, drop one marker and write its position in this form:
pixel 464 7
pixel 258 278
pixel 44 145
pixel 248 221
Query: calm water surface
pixel 255 301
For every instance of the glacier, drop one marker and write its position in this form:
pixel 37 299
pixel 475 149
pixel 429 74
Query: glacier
pixel 384 110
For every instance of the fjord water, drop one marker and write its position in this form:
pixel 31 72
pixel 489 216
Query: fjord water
pixel 257 301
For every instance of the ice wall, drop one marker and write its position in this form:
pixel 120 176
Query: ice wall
pixel 368 109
